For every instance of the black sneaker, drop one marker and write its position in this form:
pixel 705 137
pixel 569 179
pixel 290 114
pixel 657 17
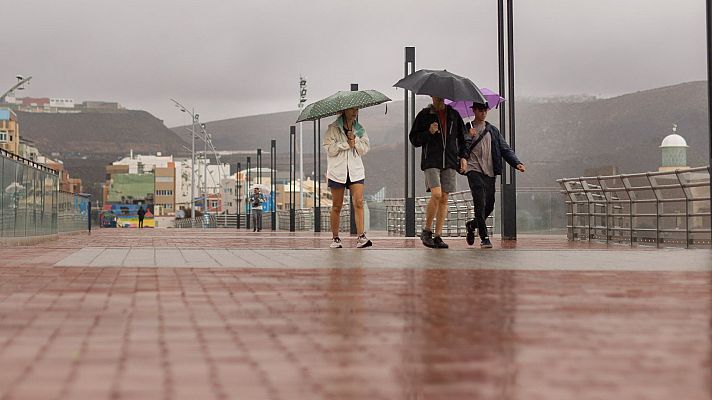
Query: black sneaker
pixel 439 244
pixel 470 225
pixel 486 244
pixel 427 238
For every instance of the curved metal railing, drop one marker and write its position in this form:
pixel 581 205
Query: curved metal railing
pixel 669 207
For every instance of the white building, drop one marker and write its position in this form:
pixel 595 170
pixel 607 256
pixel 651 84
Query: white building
pixel 215 173
pixel 140 163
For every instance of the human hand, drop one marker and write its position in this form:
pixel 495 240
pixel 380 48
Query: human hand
pixel 463 165
pixel 352 142
pixel 473 132
pixel 434 128
pixel 520 168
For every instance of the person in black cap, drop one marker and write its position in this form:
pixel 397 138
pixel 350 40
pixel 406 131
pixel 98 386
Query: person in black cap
pixel 483 162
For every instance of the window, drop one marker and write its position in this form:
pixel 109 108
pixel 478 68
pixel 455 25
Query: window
pixel 3 136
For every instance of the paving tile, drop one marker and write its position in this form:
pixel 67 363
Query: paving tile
pixel 279 316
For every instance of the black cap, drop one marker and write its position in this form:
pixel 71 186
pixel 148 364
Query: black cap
pixel 476 105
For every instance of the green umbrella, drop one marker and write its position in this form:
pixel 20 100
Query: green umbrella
pixel 340 101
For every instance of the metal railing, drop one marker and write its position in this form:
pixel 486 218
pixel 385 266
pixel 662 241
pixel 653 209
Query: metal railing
pixel 670 207
pixel 460 210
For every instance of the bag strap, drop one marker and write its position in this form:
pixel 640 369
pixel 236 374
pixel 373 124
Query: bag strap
pixel 477 141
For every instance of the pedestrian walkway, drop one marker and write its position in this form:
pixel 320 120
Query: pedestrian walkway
pixel 218 314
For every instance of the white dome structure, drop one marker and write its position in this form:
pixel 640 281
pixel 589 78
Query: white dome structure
pixel 673 140
pixel 674 151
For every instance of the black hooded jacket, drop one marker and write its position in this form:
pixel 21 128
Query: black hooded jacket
pixel 442 149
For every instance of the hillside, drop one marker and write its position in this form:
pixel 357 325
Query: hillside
pixel 99 133
pixel 556 139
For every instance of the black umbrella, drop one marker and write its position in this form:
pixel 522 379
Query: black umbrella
pixel 442 84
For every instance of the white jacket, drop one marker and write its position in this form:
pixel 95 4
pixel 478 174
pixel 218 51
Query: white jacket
pixel 340 158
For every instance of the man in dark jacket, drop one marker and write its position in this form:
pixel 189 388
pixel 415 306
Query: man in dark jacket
pixel 439 130
pixel 141 214
pixel 482 163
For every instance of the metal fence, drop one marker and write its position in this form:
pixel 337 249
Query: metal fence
pixel 460 210
pixel 671 208
pixel 31 204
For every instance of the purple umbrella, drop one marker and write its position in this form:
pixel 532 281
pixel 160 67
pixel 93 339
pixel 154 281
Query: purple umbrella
pixel 463 107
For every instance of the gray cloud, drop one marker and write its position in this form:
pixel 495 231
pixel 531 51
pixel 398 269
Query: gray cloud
pixel 232 58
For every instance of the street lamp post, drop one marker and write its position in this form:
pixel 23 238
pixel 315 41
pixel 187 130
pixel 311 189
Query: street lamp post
pixel 409 190
pixel 237 195
pixel 352 216
pixel 195 118
pixel 248 177
pixel 20 85
pixel 273 183
pixel 292 173
pixel 505 19
pixel 709 99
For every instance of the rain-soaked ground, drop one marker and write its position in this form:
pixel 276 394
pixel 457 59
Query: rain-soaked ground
pixel 217 314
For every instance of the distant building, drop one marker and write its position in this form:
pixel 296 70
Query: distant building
pixel 28 149
pixel 215 173
pixel 66 182
pixel 142 179
pixel 9 131
pixel 165 189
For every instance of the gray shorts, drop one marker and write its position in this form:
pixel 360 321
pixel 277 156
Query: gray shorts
pixel 444 179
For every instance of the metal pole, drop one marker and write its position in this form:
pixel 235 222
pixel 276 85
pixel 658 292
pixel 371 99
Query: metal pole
pixel 318 168
pixel 301 166
pixel 205 170
pixel 292 172
pixel 192 172
pixel 273 183
pixel 709 96
pixel 237 194
pixel 259 165
pixel 509 189
pixel 352 215
pixel 248 180
pixel 409 191
pixel 317 210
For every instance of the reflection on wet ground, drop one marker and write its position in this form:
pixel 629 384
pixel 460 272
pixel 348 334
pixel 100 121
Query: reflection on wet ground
pixel 392 332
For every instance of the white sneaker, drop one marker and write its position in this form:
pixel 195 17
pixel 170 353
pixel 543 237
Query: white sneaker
pixel 336 243
pixel 363 241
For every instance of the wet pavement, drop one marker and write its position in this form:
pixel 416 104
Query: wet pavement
pixel 215 314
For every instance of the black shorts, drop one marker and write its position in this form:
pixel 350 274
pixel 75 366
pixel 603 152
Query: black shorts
pixel 339 185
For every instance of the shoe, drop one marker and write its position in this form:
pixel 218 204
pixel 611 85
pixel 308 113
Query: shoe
pixel 259 230
pixel 486 244
pixel 470 238
pixel 363 241
pixel 336 243
pixel 254 230
pixel 427 238
pixel 439 244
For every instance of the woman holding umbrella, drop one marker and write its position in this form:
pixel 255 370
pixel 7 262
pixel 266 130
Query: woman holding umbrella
pixel 346 142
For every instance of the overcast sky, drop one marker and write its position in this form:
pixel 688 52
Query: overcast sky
pixel 235 58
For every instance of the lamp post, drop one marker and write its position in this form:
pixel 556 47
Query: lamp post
pixel 195 118
pixel 409 190
pixel 292 173
pixel 709 99
pixel 237 195
pixel 20 85
pixel 248 180
pixel 316 193
pixel 273 183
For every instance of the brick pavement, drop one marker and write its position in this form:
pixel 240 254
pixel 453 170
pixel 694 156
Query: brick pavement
pixel 291 330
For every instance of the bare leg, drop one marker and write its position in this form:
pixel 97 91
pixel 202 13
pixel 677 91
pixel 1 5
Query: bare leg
pixel 433 205
pixel 442 213
pixel 337 197
pixel 357 198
